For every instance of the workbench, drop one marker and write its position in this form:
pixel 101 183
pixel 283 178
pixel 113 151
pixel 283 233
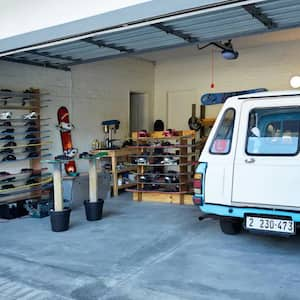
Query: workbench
pixel 115 155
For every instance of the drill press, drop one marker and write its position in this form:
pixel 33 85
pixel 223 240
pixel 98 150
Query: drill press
pixel 110 127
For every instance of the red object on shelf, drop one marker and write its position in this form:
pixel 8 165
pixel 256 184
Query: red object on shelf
pixel 66 138
pixel 143 133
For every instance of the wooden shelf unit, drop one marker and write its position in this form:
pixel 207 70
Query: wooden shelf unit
pixel 33 101
pixel 115 155
pixel 183 149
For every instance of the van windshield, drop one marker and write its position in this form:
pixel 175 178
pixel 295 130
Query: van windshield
pixel 273 131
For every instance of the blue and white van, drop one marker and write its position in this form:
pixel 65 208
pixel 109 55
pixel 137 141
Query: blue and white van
pixel 249 170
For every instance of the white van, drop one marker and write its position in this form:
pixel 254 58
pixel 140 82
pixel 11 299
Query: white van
pixel 249 170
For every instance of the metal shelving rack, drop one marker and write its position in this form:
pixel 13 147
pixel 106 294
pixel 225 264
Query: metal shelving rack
pixel 28 101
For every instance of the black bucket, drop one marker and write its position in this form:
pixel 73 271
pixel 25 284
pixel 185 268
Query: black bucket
pixel 93 210
pixel 60 220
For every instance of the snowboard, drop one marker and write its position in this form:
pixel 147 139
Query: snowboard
pixel 11 138
pixel 219 98
pixel 26 158
pixel 23 132
pixel 66 138
pixel 24 145
pixel 24 187
pixel 13 179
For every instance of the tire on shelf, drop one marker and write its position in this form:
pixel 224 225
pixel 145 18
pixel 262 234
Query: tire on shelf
pixel 231 225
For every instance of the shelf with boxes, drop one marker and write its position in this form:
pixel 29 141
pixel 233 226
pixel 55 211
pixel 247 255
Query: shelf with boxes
pixel 24 184
pixel 165 166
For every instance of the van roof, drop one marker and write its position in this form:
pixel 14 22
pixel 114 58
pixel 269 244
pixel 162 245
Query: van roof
pixel 271 94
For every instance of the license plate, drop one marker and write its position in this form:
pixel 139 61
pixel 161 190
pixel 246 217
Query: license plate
pixel 269 224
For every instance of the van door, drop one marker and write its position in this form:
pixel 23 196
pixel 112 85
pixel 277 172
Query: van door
pixel 219 154
pixel 267 162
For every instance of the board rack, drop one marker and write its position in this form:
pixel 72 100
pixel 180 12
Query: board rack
pixel 14 186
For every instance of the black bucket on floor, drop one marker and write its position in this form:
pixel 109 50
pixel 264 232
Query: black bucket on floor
pixel 93 210
pixel 60 220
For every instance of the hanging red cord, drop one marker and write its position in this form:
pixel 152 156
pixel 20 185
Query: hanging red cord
pixel 212 85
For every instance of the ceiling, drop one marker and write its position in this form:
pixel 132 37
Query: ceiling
pixel 232 22
pixel 241 43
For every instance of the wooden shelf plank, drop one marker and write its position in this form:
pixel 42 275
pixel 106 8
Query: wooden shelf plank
pixel 167 165
pixel 163 155
pixel 25 196
pixel 156 191
pixel 17 107
pixel 129 169
pixel 174 146
pixel 163 174
pixel 125 186
pixel 163 183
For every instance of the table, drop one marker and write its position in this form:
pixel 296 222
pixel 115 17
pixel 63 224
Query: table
pixel 114 154
pixel 57 179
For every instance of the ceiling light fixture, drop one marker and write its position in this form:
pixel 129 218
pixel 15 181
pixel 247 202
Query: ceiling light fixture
pixel 228 51
pixel 295 82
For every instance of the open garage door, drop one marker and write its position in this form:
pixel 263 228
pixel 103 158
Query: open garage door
pixel 215 21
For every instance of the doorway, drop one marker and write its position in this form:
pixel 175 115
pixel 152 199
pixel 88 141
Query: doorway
pixel 138 111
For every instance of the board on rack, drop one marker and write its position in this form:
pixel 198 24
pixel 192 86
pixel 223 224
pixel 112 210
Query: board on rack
pixel 219 98
pixel 21 131
pixel 66 138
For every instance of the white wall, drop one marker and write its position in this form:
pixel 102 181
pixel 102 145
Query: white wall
pixel 269 66
pixel 92 92
pixel 57 83
pixel 101 92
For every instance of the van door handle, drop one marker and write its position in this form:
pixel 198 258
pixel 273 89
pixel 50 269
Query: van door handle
pixel 249 160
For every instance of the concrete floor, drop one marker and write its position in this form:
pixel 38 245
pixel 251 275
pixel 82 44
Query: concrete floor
pixel 144 251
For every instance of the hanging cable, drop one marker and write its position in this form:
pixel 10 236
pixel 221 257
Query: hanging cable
pixel 212 85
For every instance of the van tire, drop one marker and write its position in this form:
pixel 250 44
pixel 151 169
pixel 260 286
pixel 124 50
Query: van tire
pixel 231 225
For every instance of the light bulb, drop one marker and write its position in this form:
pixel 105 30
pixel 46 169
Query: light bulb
pixel 295 82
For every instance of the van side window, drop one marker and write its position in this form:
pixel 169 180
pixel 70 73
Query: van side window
pixel 222 140
pixel 273 131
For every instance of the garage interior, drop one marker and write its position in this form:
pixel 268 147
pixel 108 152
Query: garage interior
pixel 147 249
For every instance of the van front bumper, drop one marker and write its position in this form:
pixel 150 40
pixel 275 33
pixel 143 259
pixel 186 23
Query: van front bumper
pixel 240 212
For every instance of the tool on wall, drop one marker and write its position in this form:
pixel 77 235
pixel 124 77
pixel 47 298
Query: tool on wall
pixel 194 122
pixel 198 123
pixel 110 127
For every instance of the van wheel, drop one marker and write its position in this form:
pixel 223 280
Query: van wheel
pixel 231 225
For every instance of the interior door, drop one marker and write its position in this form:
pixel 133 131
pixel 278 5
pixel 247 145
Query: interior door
pixel 139 112
pixel 267 162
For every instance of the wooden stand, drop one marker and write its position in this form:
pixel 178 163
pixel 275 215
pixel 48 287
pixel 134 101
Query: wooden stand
pixel 114 155
pixel 57 186
pixel 93 180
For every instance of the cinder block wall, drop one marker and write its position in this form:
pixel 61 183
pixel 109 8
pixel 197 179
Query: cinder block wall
pixel 57 83
pixel 92 92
